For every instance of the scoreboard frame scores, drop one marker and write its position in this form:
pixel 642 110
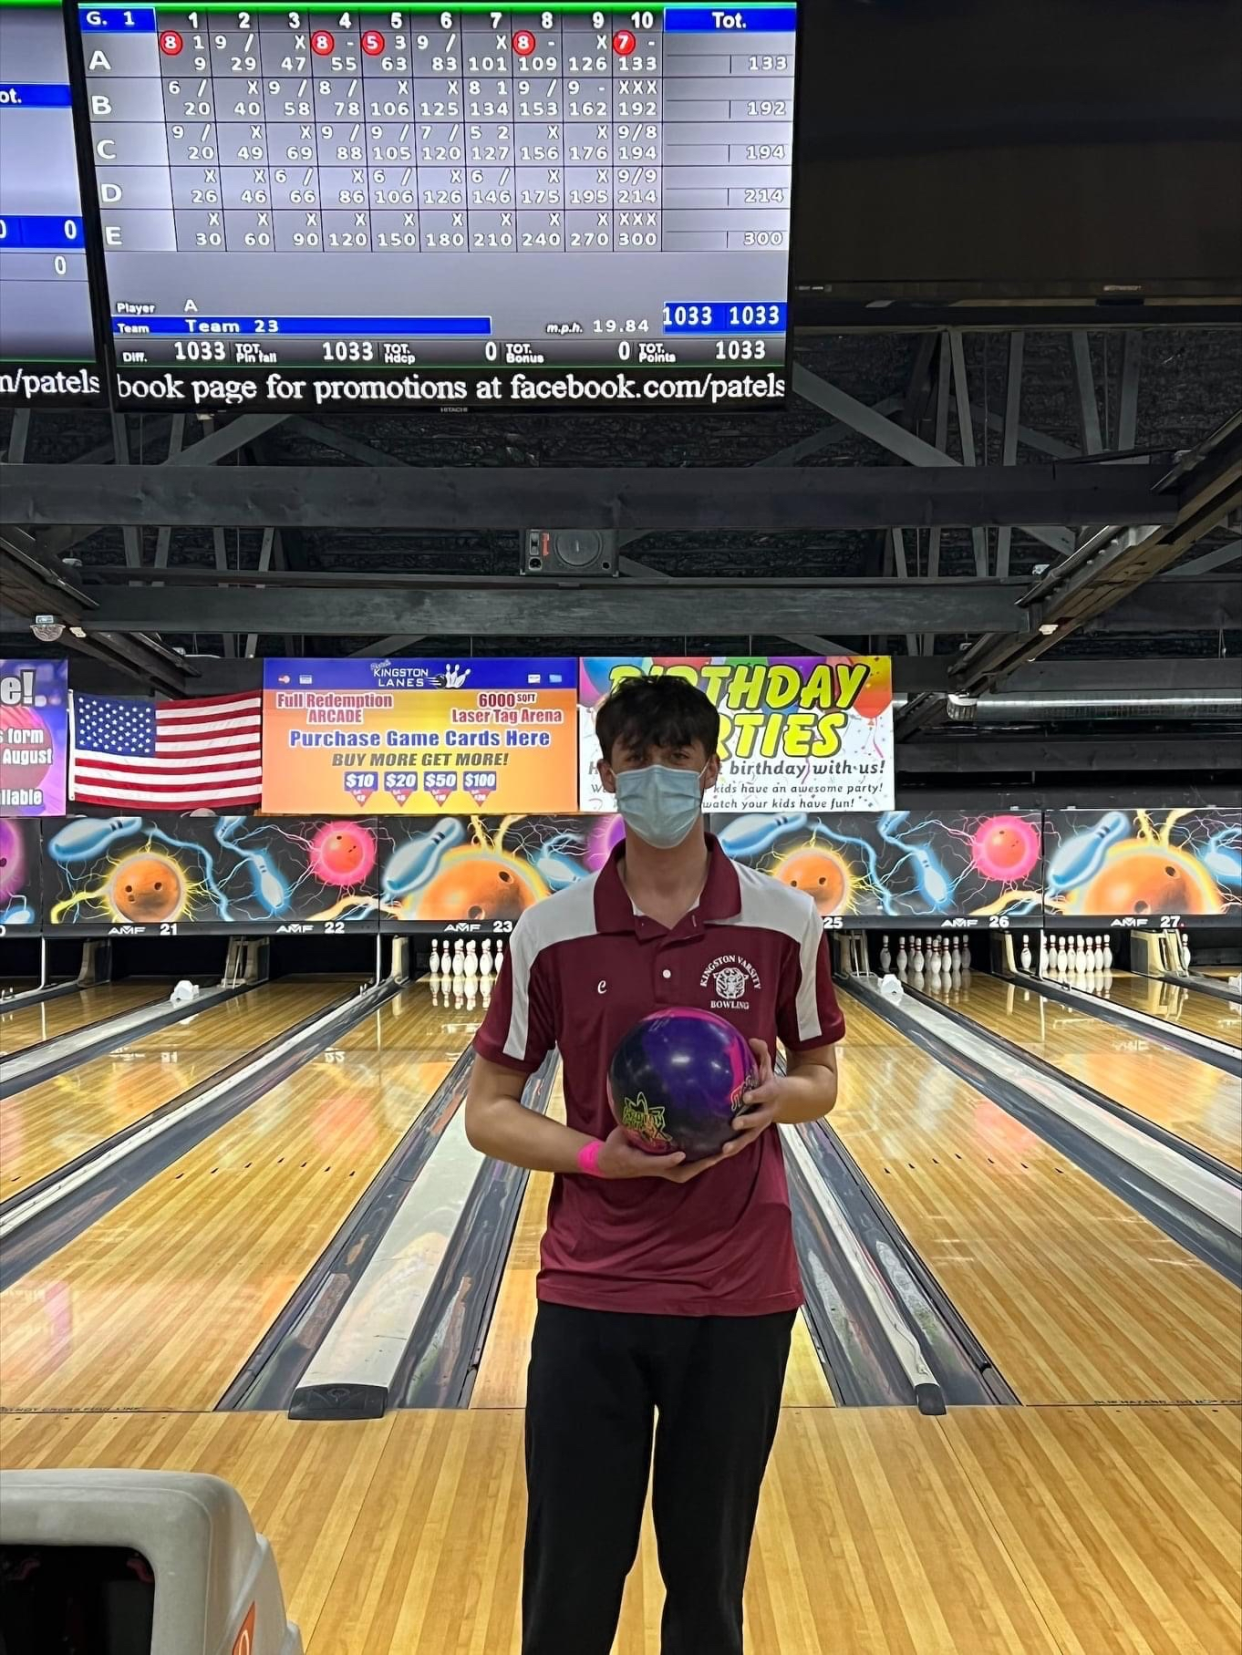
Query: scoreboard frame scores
pixel 46 382
pixel 741 381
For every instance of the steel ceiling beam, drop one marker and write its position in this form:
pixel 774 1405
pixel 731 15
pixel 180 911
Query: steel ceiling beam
pixel 31 588
pixel 216 445
pixel 703 498
pixel 1027 437
pixel 1127 401
pixel 204 600
pixel 1009 436
pixel 908 445
pixel 813 644
pixel 1026 755
pixel 393 644
pixel 1123 677
pixel 539 608
pixel 1170 604
pixel 1109 573
pixel 1217 558
pixel 1088 405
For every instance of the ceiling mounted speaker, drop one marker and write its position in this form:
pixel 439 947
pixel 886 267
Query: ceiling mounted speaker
pixel 569 552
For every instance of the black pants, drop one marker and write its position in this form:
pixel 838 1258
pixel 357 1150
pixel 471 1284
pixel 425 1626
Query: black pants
pixel 597 1380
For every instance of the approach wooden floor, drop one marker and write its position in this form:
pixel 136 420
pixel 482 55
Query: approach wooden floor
pixel 1084 1526
pixel 1035 1531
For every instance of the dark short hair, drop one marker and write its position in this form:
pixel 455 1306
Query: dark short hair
pixel 656 711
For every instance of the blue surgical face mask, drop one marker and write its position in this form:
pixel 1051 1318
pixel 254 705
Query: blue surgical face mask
pixel 659 804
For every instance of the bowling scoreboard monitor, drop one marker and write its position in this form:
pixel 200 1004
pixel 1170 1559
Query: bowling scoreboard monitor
pixel 568 207
pixel 48 353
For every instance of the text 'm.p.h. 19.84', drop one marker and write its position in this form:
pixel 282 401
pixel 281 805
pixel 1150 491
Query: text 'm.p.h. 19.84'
pixel 47 340
pixel 568 207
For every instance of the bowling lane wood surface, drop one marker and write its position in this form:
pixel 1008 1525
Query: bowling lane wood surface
pixel 1191 1098
pixel 1187 1008
pixel 989 1531
pixel 158 1304
pixel 22 1026
pixel 1075 1296
pixel 49 1124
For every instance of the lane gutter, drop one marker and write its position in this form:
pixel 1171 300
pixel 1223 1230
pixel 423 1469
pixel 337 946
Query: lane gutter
pixel 1202 985
pixel 270 1376
pixel 38 1224
pixel 1044 1066
pixel 966 1373
pixel 418 1306
pixel 870 1356
pixel 442 1356
pixel 49 1058
pixel 38 996
pixel 105 1146
pixel 1209 1239
pixel 1186 1042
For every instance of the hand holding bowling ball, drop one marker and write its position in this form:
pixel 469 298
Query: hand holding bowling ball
pixel 677 1082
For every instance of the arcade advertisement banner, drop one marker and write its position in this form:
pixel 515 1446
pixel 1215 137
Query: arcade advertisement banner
pixel 159 875
pixel 1157 868
pixel 19 873
pixel 419 737
pixel 480 873
pixel 798 732
pixel 915 867
pixel 34 737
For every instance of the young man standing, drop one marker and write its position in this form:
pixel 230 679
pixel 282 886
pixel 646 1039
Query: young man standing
pixel 666 1289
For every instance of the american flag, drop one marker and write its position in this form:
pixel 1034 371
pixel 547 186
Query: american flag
pixel 169 755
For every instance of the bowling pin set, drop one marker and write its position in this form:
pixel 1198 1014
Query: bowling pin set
pixel 1075 956
pixel 465 971
pixel 943 960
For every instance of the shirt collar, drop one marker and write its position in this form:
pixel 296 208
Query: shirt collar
pixel 721 897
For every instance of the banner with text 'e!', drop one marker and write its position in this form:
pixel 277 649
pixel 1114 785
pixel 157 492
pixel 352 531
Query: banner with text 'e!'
pixel 34 737
pixel 419 737
pixel 797 732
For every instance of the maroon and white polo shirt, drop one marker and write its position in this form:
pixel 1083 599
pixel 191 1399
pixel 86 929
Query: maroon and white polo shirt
pixel 581 969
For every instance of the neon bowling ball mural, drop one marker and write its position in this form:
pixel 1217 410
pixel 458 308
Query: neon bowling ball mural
pixel 342 853
pixel 474 883
pixel 146 888
pixel 1141 878
pixel 823 874
pixel 12 859
pixel 1006 848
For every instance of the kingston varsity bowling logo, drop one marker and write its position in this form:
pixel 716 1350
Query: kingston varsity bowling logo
pixel 730 976
pixel 638 1116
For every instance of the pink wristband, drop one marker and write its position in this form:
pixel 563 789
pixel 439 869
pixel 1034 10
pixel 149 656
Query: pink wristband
pixel 588 1158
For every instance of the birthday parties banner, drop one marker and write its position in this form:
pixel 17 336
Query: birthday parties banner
pixel 34 737
pixel 797 732
pixel 419 737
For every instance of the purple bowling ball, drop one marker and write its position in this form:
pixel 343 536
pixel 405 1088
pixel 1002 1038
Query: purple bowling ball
pixel 676 1082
